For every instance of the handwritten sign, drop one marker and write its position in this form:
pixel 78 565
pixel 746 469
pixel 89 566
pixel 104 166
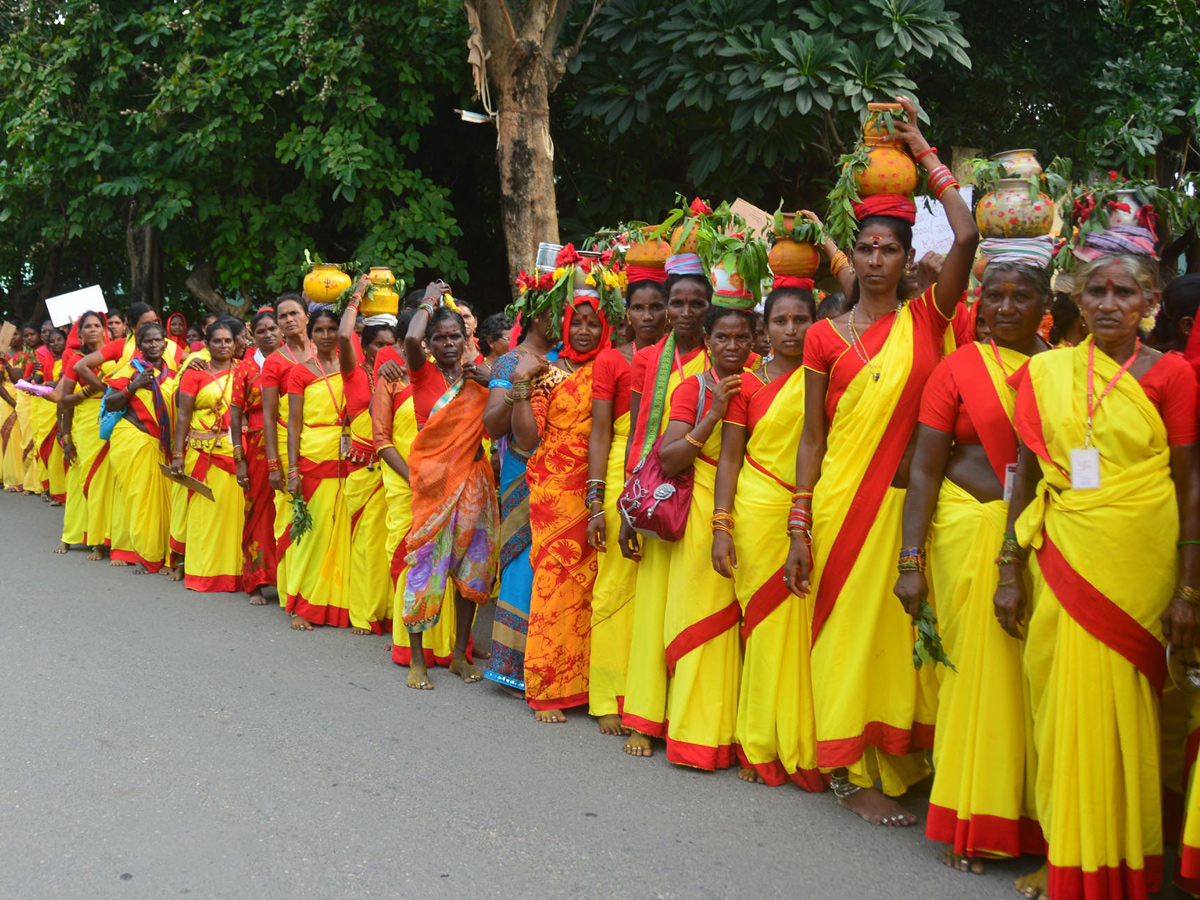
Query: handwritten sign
pixel 932 230
pixel 66 308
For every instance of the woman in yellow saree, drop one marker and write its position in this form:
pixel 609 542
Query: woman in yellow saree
pixel 865 371
pixel 552 419
pixel 45 411
pixel 776 736
pixel 981 803
pixel 616 576
pixel 454 515
pixel 318 442
pixel 140 443
pixel 370 580
pixel 1106 483
pixel 203 450
pixel 9 433
pixel 657 371
pixel 79 411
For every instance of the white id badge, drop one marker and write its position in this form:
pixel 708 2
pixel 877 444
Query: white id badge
pixel 1010 481
pixel 344 446
pixel 1085 469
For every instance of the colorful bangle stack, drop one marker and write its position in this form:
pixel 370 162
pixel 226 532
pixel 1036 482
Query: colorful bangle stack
pixel 274 465
pixel 1188 594
pixel 800 522
pixel 699 445
pixel 1011 553
pixel 722 520
pixel 293 470
pixel 521 391
pixel 912 559
pixel 941 179
pixel 839 262
pixel 238 454
pixel 924 153
pixel 355 299
pixel 428 307
pixel 595 491
pixel 802 493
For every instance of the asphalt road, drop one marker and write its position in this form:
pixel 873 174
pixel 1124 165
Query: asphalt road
pixel 160 743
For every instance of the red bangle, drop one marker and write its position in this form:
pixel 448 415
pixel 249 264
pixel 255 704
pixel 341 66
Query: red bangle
pixel 924 153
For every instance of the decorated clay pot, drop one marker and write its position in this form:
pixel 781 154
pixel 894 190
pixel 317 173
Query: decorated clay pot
pixel 383 301
pixel 1018 163
pixel 873 127
pixel 381 275
pixel 795 258
pixel 1119 216
pixel 681 245
pixel 890 170
pixel 978 268
pixel 1008 212
pixel 729 289
pixel 325 283
pixel 651 254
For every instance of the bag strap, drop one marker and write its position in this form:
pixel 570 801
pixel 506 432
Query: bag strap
pixel 700 399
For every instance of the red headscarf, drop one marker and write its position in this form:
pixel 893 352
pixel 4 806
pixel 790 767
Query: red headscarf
pixel 178 339
pixel 569 352
pixel 896 205
pixel 792 281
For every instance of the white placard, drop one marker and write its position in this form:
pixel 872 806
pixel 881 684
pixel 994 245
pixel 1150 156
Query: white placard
pixel 932 230
pixel 66 308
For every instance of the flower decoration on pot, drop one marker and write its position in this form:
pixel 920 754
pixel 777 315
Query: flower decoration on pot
pixel 688 222
pixel 1014 196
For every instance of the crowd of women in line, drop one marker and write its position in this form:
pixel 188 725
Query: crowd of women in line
pixel 898 449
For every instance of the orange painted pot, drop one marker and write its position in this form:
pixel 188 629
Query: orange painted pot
pixel 383 301
pixel 1009 212
pixel 681 245
pixel 652 254
pixel 890 171
pixel 795 258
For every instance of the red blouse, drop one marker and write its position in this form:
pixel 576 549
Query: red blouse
pixel 247 393
pixel 611 378
pixel 748 407
pixel 942 407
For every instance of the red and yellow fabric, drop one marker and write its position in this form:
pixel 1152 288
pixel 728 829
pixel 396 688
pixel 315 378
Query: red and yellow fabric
pixel 700 620
pixel 981 802
pixel 75 513
pixel 558 646
pixel 214 560
pixel 12 469
pixel 135 453
pixel 30 479
pixel 258 529
pixel 395 425
pixel 1188 875
pixel 616 576
pixel 1104 568
pixel 180 496
pixel 43 415
pixel 276 373
pixel 370 582
pixel 874 714
pixel 645 705
pixel 455 518
pixel 776 731
pixel 318 563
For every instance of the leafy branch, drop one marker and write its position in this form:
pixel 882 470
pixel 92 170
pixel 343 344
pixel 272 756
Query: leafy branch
pixel 840 224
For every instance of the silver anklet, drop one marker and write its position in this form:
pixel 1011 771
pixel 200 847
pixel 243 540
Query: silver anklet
pixel 841 785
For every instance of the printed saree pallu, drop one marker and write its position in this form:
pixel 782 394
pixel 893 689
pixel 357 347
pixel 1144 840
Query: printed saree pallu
pixel 453 535
pixel 1104 568
pixel 564 566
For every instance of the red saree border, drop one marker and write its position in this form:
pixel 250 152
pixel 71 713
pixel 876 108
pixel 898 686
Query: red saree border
pixel 768 598
pixel 983 835
pixel 332 616
pixel 700 633
pixel 640 725
pixel 1107 882
pixel 574 700
pixel 213 584
pixel 774 774
pixel 1101 617
pixel 96 463
pixel 983 404
pixel 402 656
pixel 891 739
pixel 699 756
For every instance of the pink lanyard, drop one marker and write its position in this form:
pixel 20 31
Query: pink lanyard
pixel 1091 387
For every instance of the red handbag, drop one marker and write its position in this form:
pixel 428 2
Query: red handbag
pixel 654 504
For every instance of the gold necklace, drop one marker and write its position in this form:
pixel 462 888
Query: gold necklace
pixel 855 342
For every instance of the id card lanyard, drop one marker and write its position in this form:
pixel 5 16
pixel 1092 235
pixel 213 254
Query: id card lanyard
pixel 1091 385
pixel 344 439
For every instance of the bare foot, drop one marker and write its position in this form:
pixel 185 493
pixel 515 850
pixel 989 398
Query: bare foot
pixel 56 503
pixel 299 624
pixel 256 598
pixel 117 563
pixel 750 775
pixel 63 548
pixel 873 806
pixel 418 678
pixel 140 570
pixel 357 630
pixel 464 670
pixel 952 860
pixel 1035 885
pixel 512 691
pixel 549 716
pixel 96 554
pixel 164 571
pixel 176 573
pixel 611 724
pixel 639 745
pixel 481 654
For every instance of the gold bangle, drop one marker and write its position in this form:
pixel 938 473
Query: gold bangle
pixel 1188 594
pixel 691 440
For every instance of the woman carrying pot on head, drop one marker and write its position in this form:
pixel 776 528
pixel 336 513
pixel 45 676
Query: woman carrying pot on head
pixel 981 804
pixel 454 529
pixel 1105 515
pixel 776 734
pixel 616 576
pixel 250 459
pixel 864 374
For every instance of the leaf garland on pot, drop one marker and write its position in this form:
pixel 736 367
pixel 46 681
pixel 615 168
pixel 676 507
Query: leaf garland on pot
pixel 693 220
pixel 802 230
pixel 738 252
pixel 840 223
pixel 1091 208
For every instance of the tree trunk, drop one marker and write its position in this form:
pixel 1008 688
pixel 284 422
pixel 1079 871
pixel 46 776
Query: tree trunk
pixel 199 282
pixel 525 155
pixel 145 269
